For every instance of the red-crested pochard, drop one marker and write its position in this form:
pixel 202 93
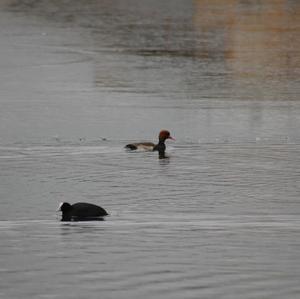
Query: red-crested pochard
pixel 149 146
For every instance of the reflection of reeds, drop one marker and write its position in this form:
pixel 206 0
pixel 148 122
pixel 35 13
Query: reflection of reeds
pixel 258 39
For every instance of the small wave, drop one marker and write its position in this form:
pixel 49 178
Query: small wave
pixel 7 224
pixel 48 151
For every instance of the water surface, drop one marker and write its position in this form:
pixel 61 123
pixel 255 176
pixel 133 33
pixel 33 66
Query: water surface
pixel 219 218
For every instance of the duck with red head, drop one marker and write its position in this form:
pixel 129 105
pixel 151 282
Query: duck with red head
pixel 149 146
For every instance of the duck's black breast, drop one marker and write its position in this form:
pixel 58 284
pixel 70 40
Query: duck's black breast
pixel 161 148
pixel 84 211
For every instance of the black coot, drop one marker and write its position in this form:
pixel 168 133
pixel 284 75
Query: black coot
pixel 81 211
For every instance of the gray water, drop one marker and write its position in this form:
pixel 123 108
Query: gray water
pixel 219 218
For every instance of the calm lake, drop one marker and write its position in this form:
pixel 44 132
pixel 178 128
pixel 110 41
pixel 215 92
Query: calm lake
pixel 219 218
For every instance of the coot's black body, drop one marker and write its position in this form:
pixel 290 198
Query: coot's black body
pixel 81 211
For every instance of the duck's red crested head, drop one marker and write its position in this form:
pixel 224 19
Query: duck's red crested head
pixel 164 134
